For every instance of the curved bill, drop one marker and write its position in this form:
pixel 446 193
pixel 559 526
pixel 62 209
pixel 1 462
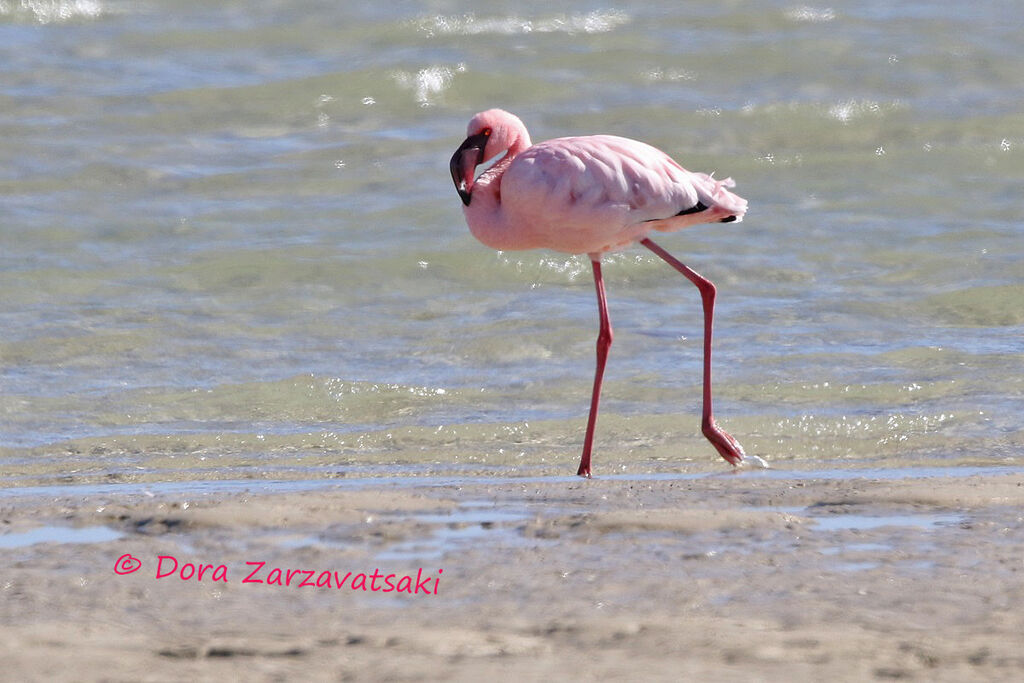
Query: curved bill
pixel 467 157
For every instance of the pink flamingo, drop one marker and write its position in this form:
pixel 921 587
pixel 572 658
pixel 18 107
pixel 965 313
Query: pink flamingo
pixel 590 195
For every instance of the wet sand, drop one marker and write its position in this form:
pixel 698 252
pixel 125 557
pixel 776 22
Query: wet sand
pixel 713 577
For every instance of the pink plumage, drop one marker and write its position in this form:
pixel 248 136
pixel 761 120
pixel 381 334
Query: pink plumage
pixel 582 195
pixel 590 195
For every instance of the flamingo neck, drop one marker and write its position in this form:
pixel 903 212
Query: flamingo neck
pixel 487 221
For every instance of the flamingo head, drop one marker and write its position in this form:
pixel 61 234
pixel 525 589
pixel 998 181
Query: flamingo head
pixel 469 155
pixel 489 134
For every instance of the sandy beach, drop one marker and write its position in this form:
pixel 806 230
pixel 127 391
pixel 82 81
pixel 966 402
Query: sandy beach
pixel 754 576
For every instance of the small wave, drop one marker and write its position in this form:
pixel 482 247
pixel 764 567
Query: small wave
pixel 597 21
pixel 427 83
pixel 547 268
pixel 844 112
pixel 812 15
pixel 51 11
pixel 670 75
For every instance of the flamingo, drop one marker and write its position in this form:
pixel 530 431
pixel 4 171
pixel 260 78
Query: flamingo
pixel 591 195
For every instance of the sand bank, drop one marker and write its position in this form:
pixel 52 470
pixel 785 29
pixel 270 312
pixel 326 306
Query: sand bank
pixel 712 577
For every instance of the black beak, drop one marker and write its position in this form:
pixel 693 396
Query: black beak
pixel 462 172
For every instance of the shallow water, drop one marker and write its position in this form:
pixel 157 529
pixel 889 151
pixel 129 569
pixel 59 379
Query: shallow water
pixel 59 534
pixel 229 241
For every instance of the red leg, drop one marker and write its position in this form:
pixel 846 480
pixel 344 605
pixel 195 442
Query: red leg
pixel 728 447
pixel 604 342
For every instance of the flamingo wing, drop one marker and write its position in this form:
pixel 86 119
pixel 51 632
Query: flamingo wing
pixel 600 192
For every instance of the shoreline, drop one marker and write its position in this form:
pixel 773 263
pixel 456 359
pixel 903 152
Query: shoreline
pixel 418 476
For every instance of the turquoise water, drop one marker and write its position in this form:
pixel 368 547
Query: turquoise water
pixel 230 246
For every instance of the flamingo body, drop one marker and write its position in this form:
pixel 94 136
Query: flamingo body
pixel 589 195
pixel 583 195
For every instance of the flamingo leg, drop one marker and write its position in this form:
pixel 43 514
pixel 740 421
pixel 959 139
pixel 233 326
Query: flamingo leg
pixel 728 447
pixel 604 342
